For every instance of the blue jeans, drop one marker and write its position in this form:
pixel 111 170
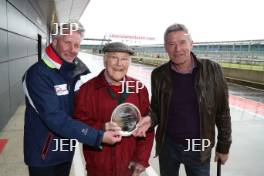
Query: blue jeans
pixel 172 155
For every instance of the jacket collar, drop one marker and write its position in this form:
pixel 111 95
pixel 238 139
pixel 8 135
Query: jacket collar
pixel 80 68
pixel 167 67
pixel 197 62
pixel 100 80
pixel 51 58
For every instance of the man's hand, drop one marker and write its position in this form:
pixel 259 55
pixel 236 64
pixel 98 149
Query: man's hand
pixel 136 168
pixel 111 137
pixel 112 126
pixel 221 156
pixel 142 127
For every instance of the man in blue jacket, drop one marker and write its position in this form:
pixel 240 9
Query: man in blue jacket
pixel 50 133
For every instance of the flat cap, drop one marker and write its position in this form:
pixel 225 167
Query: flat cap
pixel 118 47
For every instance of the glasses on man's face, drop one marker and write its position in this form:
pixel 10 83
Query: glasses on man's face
pixel 120 59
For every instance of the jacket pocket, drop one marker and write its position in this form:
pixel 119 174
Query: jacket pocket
pixel 46 146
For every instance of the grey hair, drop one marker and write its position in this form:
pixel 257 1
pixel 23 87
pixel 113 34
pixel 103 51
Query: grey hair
pixel 175 28
pixel 72 24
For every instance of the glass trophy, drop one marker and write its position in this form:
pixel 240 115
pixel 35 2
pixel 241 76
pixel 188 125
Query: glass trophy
pixel 126 115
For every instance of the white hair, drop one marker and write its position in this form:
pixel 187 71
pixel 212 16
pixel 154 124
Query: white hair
pixel 175 28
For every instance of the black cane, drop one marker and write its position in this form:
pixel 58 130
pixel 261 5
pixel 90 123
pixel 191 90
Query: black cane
pixel 219 167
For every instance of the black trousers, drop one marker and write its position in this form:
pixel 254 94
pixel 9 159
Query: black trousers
pixel 56 170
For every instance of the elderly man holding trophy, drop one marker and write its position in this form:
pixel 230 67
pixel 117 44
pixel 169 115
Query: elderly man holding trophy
pixel 106 102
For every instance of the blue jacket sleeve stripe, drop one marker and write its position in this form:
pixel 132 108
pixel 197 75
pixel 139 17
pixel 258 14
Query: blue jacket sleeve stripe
pixel 26 92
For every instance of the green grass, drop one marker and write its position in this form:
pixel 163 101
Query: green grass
pixel 243 66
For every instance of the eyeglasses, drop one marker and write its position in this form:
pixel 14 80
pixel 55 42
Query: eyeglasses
pixel 122 59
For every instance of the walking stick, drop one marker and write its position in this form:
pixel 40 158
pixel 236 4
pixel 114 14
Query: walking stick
pixel 219 167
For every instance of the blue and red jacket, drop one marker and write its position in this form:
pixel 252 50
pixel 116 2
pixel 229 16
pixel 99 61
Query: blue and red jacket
pixel 50 85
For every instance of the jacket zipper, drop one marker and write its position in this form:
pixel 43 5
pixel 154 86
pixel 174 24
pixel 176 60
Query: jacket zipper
pixel 165 124
pixel 45 148
pixel 199 99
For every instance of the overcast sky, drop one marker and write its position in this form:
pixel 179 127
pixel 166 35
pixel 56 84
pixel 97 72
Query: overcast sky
pixel 207 20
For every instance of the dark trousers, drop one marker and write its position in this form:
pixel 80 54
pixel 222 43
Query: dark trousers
pixel 172 155
pixel 56 170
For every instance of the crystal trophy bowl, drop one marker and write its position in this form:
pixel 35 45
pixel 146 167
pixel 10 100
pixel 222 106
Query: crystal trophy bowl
pixel 126 115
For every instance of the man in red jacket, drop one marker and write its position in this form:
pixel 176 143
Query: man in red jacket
pixel 94 105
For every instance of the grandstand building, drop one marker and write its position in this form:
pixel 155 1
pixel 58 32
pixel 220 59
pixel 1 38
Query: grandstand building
pixel 244 49
pixel 224 49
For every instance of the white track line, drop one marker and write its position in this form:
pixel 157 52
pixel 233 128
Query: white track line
pixel 78 165
pixel 151 172
pixel 247 111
